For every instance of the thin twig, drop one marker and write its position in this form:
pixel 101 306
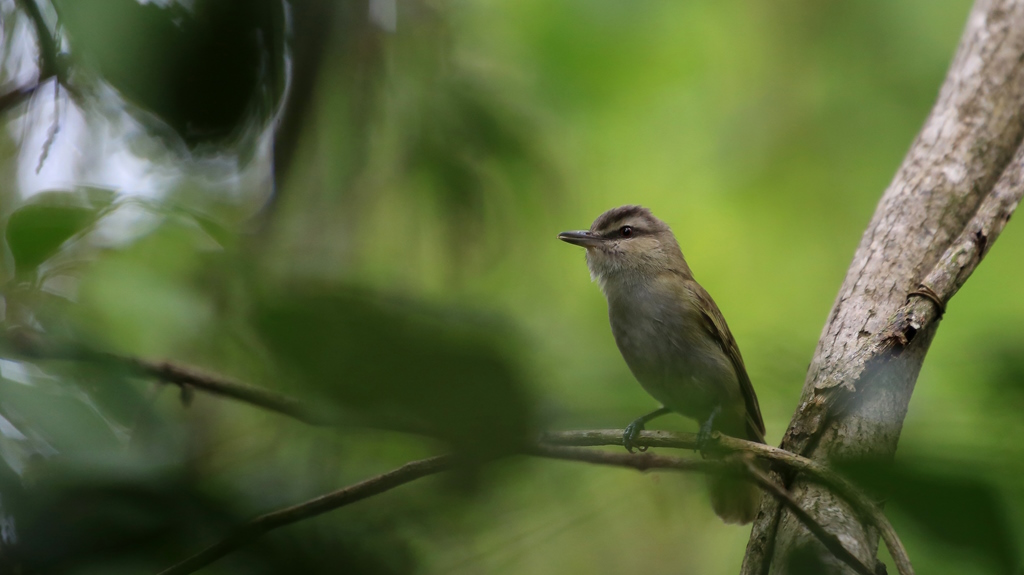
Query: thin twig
pixel 830 541
pixel 48 65
pixel 860 502
pixel 27 344
pixel 318 506
pixel 647 461
pixel 416 469
pixel 638 461
pixel 186 376
pixel 16 96
pixel 47 44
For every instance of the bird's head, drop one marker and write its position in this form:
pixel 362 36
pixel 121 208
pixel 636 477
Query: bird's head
pixel 627 243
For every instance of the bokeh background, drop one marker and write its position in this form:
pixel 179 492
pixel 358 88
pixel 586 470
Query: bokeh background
pixel 389 253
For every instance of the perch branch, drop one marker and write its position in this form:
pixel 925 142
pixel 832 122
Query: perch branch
pixel 27 344
pixel 861 503
pixel 255 528
pixel 829 540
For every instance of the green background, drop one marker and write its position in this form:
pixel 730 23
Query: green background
pixel 762 133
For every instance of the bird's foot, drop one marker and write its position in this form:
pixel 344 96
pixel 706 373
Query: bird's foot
pixel 630 434
pixel 633 430
pixel 705 437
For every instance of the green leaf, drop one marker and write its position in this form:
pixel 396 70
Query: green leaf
pixel 402 365
pixel 144 300
pixel 58 416
pixel 36 231
pixel 953 509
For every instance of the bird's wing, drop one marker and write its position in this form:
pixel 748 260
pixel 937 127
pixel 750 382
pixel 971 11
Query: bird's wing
pixel 714 322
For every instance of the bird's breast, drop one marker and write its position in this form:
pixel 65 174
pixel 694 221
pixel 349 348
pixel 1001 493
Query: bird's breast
pixel 663 340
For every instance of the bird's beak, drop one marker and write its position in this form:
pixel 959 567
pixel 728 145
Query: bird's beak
pixel 580 238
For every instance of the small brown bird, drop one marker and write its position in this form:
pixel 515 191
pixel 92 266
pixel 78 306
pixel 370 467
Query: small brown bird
pixel 674 339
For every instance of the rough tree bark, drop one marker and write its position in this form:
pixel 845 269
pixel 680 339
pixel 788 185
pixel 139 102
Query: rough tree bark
pixel 949 199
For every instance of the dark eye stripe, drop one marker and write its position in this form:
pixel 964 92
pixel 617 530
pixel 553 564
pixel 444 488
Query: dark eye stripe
pixel 616 232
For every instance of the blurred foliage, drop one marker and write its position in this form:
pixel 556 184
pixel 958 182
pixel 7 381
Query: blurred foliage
pixel 207 68
pixel 401 366
pixel 356 201
pixel 954 509
pixel 36 230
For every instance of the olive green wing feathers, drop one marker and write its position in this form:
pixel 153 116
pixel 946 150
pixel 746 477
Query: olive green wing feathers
pixel 714 322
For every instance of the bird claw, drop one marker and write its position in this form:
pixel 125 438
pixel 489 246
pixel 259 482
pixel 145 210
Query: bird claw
pixel 630 433
pixel 705 436
pixel 633 430
pixel 704 440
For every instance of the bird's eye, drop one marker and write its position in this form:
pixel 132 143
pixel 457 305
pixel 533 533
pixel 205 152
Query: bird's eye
pixel 626 231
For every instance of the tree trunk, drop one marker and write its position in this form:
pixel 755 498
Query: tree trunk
pixel 949 199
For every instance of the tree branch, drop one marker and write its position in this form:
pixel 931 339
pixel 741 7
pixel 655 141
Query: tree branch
pixel 48 64
pixel 948 202
pixel 26 344
pixel 960 259
pixel 830 541
pixel 16 96
pixel 177 374
pixel 255 528
pixel 30 345
pixel 318 506
pixel 646 461
pixel 47 43
pixel 864 506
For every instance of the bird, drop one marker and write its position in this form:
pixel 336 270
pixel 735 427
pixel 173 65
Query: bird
pixel 674 340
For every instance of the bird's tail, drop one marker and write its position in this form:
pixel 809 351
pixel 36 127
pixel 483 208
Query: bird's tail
pixel 735 499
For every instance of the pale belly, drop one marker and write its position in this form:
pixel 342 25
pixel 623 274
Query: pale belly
pixel 684 369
